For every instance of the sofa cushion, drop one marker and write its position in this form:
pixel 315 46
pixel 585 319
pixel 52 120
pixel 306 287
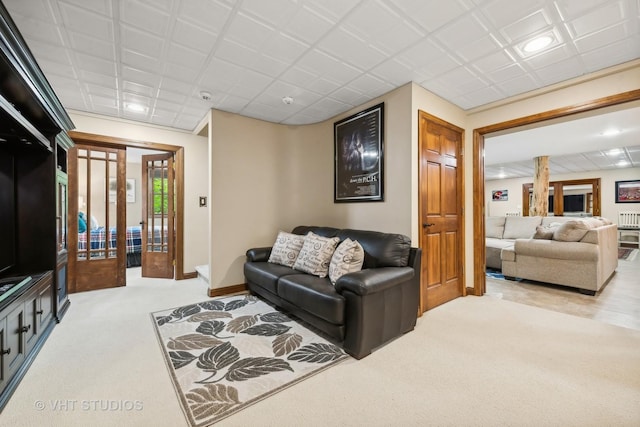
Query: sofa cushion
pixel 320 231
pixel 266 274
pixel 316 253
pixel 494 226
pixel 348 257
pixel 313 294
pixel 286 249
pixel 520 227
pixel 571 231
pixel 380 249
pixel 544 233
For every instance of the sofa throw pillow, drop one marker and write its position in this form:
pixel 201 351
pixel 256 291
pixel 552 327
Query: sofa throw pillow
pixel 348 257
pixel 286 248
pixel 571 231
pixel 544 233
pixel 316 253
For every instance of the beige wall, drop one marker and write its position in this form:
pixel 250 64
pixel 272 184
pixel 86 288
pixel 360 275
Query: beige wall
pixel 196 241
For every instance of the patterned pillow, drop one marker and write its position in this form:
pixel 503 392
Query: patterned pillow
pixel 316 253
pixel 286 249
pixel 348 257
pixel 544 233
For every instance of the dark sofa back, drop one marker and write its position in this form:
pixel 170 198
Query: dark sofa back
pixel 380 249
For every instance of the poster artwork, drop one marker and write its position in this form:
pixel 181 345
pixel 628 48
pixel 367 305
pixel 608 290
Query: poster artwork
pixel 359 156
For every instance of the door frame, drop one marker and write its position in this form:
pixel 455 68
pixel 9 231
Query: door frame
pixel 479 264
pixel 178 151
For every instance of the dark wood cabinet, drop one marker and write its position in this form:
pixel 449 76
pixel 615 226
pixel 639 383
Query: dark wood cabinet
pixel 33 207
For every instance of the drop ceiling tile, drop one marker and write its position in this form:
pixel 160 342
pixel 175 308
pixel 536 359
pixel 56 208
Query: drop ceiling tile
pixel 42 31
pixel 549 57
pixel 393 72
pixel 169 100
pixel 235 53
pixel 138 89
pixel 92 46
pixel 505 12
pixel 493 62
pixel 328 66
pixel 182 55
pixel 486 95
pixel 235 103
pixel 248 31
pixel 198 38
pixel 105 91
pixel 371 85
pixel 601 38
pixel 422 54
pixel 370 18
pixel 99 79
pixel 55 53
pixel 102 7
pixel 95 64
pixel 205 13
pixel 54 67
pixel 350 49
pixel 137 60
pixel 270 66
pixel 440 66
pixel 616 53
pixel 527 26
pixel 275 12
pixel 22 10
pixel 161 115
pixel 105 110
pixel 323 86
pixel 104 101
pixel 559 71
pixel 431 14
pixel 479 48
pixel 397 38
pixel 600 18
pixel 141 76
pixel 461 32
pixel 86 22
pixel 144 17
pixel 298 76
pixel 507 73
pixel 347 95
pixel 140 41
pixel 284 48
pixel 307 26
pixel 571 9
pixel 173 85
pixel 333 10
pixel 517 85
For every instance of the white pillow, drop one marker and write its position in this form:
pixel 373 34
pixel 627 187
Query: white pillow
pixel 286 248
pixel 348 257
pixel 316 253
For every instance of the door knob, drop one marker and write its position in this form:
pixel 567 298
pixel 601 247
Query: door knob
pixel 427 225
pixel 7 351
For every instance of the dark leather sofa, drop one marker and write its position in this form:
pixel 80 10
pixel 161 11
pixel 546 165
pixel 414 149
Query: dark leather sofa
pixel 364 309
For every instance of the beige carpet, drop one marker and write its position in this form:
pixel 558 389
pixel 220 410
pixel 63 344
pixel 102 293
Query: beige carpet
pixel 477 361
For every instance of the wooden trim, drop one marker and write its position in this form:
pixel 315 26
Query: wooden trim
pixel 115 142
pixel 228 290
pixel 189 275
pixel 479 266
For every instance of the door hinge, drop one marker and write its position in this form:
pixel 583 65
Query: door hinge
pixel 173 262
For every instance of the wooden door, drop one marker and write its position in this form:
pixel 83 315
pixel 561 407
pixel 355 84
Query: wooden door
pixel 97 253
pixel 158 224
pixel 440 206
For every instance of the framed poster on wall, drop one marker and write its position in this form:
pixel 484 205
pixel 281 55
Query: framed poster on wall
pixel 358 157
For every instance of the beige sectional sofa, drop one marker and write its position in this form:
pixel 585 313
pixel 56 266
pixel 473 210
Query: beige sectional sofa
pixel 569 251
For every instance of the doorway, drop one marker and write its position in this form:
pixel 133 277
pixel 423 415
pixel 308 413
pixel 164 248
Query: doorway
pixel 129 194
pixel 479 264
pixel 441 195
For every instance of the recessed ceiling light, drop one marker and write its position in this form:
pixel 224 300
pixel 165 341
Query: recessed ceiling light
pixel 136 108
pixel 287 100
pixel 537 44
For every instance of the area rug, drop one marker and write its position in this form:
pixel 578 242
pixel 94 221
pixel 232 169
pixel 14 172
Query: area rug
pixel 627 254
pixel 227 353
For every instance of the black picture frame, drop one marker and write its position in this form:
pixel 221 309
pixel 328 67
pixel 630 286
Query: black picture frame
pixel 628 191
pixel 359 157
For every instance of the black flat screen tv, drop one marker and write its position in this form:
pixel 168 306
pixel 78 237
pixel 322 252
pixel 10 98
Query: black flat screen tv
pixel 7 213
pixel 574 203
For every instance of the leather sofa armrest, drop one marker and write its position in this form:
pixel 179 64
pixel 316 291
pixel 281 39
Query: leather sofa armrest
pixel 259 254
pixel 373 280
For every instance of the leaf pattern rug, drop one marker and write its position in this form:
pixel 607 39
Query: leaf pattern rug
pixel 227 353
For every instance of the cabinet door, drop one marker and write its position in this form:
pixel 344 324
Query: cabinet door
pixel 15 343
pixel 44 306
pixel 30 323
pixel 4 354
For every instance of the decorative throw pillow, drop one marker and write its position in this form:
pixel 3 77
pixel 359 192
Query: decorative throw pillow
pixel 348 257
pixel 544 233
pixel 286 248
pixel 571 231
pixel 316 253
